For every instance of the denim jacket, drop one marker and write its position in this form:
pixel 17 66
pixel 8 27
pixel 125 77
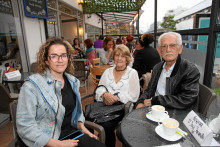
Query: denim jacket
pixel 40 112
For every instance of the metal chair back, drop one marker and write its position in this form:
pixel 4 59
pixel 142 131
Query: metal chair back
pixel 96 75
pixel 206 96
pixel 5 99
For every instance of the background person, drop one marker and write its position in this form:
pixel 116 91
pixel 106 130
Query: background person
pixel 105 54
pixel 175 81
pixel 120 79
pixel 146 56
pixel 98 43
pixel 49 105
pixel 118 41
pixel 90 53
pixel 124 40
pixel 77 47
pixel 129 44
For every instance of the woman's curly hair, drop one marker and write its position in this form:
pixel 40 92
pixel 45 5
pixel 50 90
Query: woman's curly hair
pixel 42 55
pixel 147 38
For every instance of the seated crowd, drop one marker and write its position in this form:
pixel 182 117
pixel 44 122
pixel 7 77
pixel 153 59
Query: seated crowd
pixel 49 104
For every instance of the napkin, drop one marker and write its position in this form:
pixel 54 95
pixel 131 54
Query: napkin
pixel 214 125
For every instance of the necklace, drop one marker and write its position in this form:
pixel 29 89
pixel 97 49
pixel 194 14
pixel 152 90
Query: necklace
pixel 120 70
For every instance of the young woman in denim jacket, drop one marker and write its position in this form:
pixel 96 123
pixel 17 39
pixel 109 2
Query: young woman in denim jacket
pixel 49 104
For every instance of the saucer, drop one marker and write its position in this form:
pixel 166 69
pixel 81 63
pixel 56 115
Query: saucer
pixel 160 132
pixel 150 117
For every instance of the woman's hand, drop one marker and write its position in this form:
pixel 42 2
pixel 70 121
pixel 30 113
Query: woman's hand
pixel 63 143
pixel 69 143
pixel 92 135
pixel 86 131
pixel 109 98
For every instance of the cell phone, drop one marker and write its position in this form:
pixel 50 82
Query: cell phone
pixel 73 136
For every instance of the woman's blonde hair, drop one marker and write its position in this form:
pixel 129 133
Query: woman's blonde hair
pixel 124 51
pixel 42 55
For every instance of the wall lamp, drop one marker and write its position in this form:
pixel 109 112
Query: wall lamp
pixel 80 1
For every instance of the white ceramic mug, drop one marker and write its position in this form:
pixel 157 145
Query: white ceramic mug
pixel 158 111
pixel 170 126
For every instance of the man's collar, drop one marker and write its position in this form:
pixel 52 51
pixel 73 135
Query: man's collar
pixel 171 68
pixel 176 67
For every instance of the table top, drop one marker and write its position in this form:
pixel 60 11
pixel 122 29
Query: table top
pixel 21 79
pixel 137 130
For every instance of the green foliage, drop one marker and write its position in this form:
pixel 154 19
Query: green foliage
pixel 98 6
pixel 169 23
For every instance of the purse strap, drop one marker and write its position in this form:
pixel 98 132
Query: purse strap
pixel 99 87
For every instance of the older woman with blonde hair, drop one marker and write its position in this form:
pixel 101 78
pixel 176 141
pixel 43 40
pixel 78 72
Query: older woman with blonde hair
pixel 49 105
pixel 122 83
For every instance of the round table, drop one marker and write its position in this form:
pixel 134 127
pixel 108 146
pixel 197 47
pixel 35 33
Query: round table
pixel 17 81
pixel 138 131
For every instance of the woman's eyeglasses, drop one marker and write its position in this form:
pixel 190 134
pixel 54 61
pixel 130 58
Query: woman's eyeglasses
pixel 55 57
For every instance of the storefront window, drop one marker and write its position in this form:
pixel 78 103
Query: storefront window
pixel 51 4
pixel 93 32
pixel 10 46
pixel 52 24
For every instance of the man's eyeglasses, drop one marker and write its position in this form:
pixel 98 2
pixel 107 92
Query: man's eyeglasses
pixel 55 57
pixel 171 46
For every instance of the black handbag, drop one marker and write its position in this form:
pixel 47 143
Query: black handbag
pixel 98 112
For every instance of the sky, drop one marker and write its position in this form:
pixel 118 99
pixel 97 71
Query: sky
pixel 147 17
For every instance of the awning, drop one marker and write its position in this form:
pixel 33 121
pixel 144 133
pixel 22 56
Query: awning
pixel 122 11
pixel 121 17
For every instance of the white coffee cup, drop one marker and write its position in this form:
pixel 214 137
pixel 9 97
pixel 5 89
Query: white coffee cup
pixel 158 111
pixel 170 126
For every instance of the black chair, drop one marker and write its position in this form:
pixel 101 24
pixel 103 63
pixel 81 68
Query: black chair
pixel 206 96
pixel 80 72
pixel 33 67
pixel 6 98
pixel 88 124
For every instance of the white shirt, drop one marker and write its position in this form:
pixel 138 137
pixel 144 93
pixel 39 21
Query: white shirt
pixel 128 86
pixel 161 85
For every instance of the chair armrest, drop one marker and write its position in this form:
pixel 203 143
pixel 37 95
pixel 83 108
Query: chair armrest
pixel 128 107
pixel 98 128
pixel 12 143
pixel 14 96
pixel 87 96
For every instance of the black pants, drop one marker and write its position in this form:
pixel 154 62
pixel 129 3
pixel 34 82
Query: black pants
pixel 109 127
pixel 84 141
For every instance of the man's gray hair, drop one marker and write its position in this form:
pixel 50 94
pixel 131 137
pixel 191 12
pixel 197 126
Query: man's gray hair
pixel 179 38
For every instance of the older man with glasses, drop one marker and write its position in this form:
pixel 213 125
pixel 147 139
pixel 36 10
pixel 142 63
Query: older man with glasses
pixel 175 81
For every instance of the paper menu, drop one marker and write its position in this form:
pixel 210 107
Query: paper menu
pixel 198 129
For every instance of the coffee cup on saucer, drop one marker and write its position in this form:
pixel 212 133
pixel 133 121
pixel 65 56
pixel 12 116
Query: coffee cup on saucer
pixel 170 126
pixel 158 111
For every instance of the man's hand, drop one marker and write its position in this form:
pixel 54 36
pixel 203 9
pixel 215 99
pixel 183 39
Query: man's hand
pixel 147 102
pixel 140 105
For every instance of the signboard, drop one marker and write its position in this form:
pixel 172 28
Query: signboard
pixel 13 75
pixel 198 129
pixel 36 8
